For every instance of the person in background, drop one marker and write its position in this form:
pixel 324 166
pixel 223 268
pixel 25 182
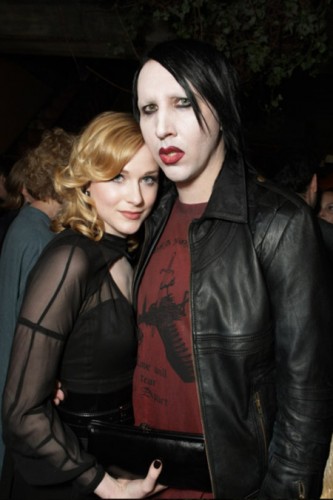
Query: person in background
pixel 77 324
pixel 325 185
pixel 235 333
pixel 30 185
pixel 297 170
pixel 326 206
pixel 17 196
pixel 14 196
pixel 4 171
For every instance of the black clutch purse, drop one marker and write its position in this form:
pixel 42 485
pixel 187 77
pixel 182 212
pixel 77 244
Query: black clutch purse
pixel 133 449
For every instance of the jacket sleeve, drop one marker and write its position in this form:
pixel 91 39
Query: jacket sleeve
pixel 299 279
pixel 45 450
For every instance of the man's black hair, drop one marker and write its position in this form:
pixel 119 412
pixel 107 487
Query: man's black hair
pixel 199 66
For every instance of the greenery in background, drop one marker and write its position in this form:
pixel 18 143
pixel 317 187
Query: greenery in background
pixel 266 40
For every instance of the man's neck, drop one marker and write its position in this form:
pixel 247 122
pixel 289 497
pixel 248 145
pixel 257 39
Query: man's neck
pixel 49 207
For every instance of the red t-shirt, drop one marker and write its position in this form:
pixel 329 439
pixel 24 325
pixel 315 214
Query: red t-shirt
pixel 165 393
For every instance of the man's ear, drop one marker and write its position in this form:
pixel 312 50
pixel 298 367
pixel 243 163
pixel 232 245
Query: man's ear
pixel 314 184
pixel 312 192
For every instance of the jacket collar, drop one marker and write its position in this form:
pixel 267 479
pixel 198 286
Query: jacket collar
pixel 229 198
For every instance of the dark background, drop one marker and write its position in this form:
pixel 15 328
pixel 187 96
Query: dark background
pixel 57 69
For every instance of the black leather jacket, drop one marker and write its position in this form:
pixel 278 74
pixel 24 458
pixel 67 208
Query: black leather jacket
pixel 261 309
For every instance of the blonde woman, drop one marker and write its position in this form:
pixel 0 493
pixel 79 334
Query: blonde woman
pixel 77 324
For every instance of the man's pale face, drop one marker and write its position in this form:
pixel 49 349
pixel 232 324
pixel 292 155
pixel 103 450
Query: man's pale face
pixel 189 155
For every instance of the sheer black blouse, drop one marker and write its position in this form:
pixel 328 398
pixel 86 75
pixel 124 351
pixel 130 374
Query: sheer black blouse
pixel 75 325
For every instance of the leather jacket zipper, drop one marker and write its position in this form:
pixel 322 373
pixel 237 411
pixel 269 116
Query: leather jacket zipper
pixel 261 423
pixel 301 490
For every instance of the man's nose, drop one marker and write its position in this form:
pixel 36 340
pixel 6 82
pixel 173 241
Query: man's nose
pixel 164 125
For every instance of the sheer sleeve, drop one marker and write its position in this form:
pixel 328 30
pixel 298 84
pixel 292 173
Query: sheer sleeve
pixel 45 450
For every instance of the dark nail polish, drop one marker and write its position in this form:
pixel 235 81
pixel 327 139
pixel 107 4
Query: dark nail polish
pixel 157 464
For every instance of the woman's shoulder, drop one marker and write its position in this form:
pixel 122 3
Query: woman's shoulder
pixel 68 237
pixel 70 246
pixel 77 249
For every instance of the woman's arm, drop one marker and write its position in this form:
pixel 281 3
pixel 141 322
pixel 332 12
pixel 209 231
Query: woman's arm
pixel 45 450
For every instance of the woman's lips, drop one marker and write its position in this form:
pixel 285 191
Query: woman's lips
pixel 132 215
pixel 171 155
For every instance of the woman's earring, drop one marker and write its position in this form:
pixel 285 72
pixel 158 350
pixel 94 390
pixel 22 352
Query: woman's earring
pixel 87 192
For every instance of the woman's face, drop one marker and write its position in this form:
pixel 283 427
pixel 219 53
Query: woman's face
pixel 124 202
pixel 326 206
pixel 189 155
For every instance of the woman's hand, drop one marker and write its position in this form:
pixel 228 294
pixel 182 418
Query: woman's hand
pixel 110 487
pixel 58 394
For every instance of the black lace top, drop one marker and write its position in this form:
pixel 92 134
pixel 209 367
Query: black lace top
pixel 75 325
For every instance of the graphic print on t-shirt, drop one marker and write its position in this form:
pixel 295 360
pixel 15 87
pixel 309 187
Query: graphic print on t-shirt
pixel 164 314
pixel 164 388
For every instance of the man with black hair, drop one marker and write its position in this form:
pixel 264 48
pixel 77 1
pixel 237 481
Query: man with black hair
pixel 235 334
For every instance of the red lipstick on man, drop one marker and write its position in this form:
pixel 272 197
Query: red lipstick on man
pixel 171 155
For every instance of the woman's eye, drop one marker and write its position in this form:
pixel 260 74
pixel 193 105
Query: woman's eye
pixel 118 178
pixel 148 109
pixel 150 180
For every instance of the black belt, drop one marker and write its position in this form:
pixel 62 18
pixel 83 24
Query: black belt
pixel 91 403
pixel 77 410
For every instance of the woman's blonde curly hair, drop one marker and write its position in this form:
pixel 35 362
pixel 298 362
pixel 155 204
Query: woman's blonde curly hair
pixel 100 153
